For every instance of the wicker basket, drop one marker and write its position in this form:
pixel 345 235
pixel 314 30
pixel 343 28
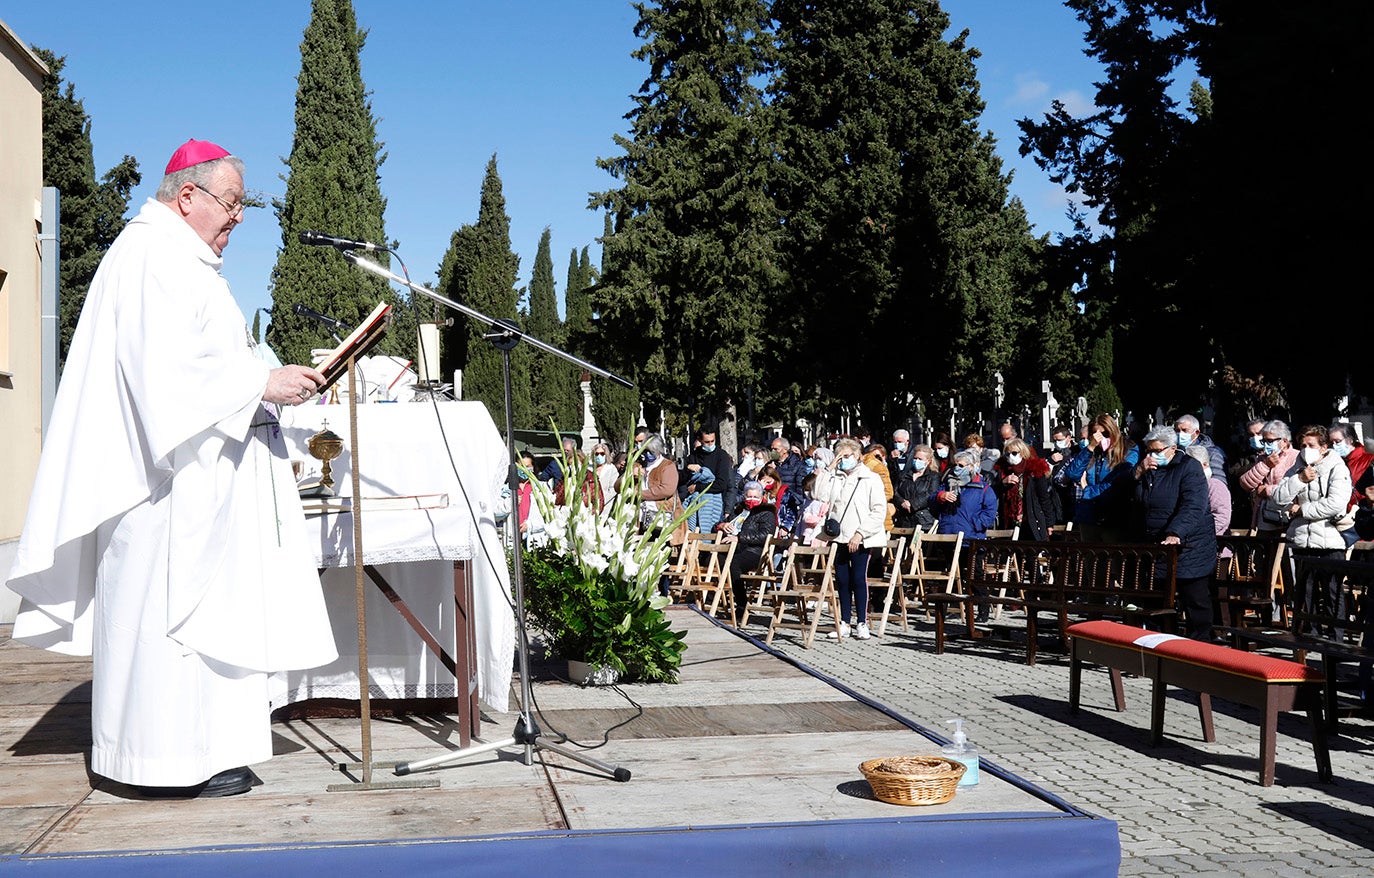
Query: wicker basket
pixel 913 780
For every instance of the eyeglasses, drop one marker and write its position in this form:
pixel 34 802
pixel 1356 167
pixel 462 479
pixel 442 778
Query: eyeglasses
pixel 233 208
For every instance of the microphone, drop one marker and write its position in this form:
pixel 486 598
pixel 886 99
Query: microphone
pixel 319 239
pixel 303 311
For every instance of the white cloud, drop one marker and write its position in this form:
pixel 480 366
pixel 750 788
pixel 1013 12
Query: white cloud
pixel 1030 90
pixel 1077 103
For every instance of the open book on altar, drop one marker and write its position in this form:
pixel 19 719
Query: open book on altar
pixel 361 340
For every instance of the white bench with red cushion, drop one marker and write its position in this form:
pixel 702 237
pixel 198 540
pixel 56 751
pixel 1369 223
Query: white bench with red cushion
pixel 1273 685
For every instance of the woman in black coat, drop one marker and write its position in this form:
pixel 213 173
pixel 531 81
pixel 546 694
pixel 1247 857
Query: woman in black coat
pixel 1173 509
pixel 913 493
pixel 752 523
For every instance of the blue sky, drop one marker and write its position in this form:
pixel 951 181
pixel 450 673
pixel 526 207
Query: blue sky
pixel 544 84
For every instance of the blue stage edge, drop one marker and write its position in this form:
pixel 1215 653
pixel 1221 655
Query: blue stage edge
pixel 1063 846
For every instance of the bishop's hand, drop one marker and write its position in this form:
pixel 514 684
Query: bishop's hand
pixel 292 385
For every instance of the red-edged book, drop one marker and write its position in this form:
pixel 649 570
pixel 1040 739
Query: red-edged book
pixel 361 340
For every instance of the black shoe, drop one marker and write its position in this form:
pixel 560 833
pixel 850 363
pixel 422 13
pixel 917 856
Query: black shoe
pixel 227 783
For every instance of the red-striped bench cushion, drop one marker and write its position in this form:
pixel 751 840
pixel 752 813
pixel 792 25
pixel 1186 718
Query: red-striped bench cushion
pixel 1109 632
pixel 1237 661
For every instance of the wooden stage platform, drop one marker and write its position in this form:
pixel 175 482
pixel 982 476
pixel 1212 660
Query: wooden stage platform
pixel 750 764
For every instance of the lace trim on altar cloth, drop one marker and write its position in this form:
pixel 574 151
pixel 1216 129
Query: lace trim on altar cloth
pixel 401 555
pixel 350 693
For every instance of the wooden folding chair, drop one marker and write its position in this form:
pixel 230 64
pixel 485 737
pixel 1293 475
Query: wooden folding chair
pixel 936 581
pixel 711 580
pixel 682 570
pixel 1010 569
pixel 807 588
pixel 893 554
pixel 768 575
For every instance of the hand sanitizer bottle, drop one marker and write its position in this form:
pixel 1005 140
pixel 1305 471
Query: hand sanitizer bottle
pixel 962 751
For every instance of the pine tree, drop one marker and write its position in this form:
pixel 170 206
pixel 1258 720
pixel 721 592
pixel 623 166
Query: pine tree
pixel 92 214
pixel 479 270
pixel 692 265
pixel 332 184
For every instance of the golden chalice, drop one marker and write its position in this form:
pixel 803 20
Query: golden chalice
pixel 325 446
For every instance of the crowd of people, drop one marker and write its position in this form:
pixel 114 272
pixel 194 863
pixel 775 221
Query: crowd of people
pixel 1172 485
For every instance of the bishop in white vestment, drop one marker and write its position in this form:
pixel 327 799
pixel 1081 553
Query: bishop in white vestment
pixel 165 536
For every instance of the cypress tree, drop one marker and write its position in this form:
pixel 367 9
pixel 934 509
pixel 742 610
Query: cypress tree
pixel 577 304
pixel 92 214
pixel 615 408
pixel 554 394
pixel 332 184
pixel 479 269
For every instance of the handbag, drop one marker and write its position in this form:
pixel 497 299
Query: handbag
pixel 1273 514
pixel 832 525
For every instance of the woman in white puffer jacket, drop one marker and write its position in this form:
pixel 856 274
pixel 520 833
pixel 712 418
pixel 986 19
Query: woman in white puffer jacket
pixel 1315 493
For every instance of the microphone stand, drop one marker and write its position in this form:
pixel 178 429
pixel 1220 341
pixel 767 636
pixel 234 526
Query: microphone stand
pixel 506 335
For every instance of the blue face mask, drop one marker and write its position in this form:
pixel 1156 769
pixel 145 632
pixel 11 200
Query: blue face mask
pixel 1184 439
pixel 960 472
pixel 1161 458
pixel 1340 448
pixel 647 458
pixel 811 464
pixel 1271 447
pixel 1256 443
pixel 899 447
pixel 600 459
pixel 709 448
pixel 848 463
pixel 918 464
pixel 1082 443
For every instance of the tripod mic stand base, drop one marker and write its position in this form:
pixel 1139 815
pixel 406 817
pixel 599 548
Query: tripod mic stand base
pixel 529 742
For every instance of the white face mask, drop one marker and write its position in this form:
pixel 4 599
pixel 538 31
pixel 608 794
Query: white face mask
pixel 1061 444
pixel 1013 459
pixel 1311 455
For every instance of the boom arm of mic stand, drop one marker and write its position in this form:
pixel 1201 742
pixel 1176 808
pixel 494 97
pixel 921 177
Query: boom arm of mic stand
pixel 382 272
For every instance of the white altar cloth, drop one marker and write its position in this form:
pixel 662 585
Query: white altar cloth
pixel 403 452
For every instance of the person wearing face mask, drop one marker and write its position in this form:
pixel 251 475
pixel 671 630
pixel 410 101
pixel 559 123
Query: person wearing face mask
pixel 604 471
pixel 854 494
pixel 1260 480
pixel 899 460
pixel 1101 473
pixel 1218 495
pixel 1190 433
pixel 707 470
pixel 1345 445
pixel 944 452
pixel 913 494
pixel 1172 509
pixel 966 503
pixel 1063 447
pixel 875 458
pixel 1027 498
pixel 750 526
pixel 1315 492
pixel 659 503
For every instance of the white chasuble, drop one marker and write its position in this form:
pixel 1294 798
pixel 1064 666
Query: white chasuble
pixel 165 536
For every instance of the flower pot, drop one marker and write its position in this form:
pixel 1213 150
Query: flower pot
pixel 584 674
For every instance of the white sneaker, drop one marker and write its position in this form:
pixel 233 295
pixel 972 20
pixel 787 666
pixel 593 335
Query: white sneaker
pixel 862 633
pixel 844 632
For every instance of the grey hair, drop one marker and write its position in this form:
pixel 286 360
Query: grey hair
pixel 1188 421
pixel 847 444
pixel 1198 453
pixel 1167 435
pixel 1254 421
pixel 968 457
pixel 1279 429
pixel 751 485
pixel 902 433
pixel 826 455
pixel 1346 432
pixel 198 174
pixel 654 443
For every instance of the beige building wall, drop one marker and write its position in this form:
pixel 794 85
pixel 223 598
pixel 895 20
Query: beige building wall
pixel 21 183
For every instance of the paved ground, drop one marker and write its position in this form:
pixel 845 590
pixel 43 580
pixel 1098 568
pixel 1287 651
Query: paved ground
pixel 1185 807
